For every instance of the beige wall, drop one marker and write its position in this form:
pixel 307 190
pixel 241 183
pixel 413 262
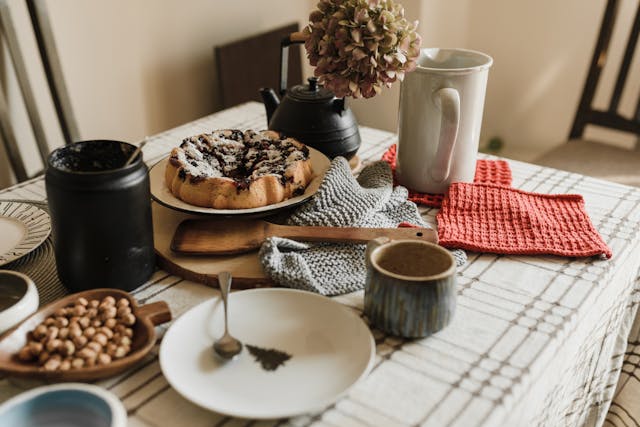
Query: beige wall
pixel 541 53
pixel 137 67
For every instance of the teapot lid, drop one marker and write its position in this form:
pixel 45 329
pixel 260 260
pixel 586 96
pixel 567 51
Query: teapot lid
pixel 311 92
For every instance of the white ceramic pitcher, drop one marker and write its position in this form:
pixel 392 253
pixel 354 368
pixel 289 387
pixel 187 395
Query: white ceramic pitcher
pixel 441 104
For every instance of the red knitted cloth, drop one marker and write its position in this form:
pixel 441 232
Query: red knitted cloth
pixel 487 171
pixel 490 218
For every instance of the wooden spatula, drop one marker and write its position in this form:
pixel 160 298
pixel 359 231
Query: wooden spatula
pixel 223 237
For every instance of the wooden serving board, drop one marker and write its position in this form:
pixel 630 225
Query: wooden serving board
pixel 245 268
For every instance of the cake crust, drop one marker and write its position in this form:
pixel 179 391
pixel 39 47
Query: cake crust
pixel 232 169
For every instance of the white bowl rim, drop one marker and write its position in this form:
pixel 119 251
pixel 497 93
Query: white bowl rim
pixel 24 307
pixel 118 412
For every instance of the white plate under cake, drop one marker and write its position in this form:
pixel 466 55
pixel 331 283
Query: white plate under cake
pixel 234 169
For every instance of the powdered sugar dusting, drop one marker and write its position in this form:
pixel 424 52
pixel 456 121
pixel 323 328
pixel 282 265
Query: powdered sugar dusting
pixel 236 154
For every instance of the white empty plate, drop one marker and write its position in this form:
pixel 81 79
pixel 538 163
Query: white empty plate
pixel 23 227
pixel 302 352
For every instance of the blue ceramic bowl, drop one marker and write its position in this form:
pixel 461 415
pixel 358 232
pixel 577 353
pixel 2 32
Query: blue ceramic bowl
pixel 70 404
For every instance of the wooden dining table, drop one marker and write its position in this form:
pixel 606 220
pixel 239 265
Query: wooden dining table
pixel 536 339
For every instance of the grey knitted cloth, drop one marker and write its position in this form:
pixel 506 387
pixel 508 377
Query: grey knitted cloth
pixel 341 201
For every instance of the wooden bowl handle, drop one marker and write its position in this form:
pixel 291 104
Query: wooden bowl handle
pixel 157 312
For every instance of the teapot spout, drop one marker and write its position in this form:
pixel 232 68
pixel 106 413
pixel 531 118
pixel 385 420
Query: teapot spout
pixel 270 100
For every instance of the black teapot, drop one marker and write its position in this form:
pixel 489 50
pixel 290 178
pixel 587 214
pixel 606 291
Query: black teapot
pixel 311 114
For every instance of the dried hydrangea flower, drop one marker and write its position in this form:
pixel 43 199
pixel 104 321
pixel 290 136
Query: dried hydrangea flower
pixel 359 46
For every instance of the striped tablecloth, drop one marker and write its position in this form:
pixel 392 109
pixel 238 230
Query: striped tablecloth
pixel 536 340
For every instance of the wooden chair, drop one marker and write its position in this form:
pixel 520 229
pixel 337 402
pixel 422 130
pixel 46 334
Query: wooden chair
pixel 595 158
pixel 53 71
pixel 246 65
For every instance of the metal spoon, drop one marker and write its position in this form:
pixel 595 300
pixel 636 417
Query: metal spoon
pixel 135 153
pixel 226 346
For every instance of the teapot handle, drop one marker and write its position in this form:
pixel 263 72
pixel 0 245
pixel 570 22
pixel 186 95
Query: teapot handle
pixel 294 38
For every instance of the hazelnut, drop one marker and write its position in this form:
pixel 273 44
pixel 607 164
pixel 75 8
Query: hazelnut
pixel 63 334
pixel 77 363
pixel 94 346
pixel 111 349
pixel 94 303
pixel 84 322
pixel 52 333
pixel 80 341
pixel 65 365
pixel 52 364
pixel 89 332
pixel 62 322
pixel 129 319
pixel 87 353
pixel 104 359
pixel 120 352
pixel 43 357
pixel 125 341
pixel 105 330
pixel 75 331
pixel 79 310
pixel 40 332
pixel 67 348
pixel 96 323
pixel 100 338
pixel 61 312
pixel 35 348
pixel 83 301
pixel 109 313
pixel 123 311
pixel 109 300
pixel 52 345
pixel 25 354
pixel 123 302
pixel 110 323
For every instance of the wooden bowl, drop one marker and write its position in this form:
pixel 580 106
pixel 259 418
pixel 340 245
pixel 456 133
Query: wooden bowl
pixel 144 337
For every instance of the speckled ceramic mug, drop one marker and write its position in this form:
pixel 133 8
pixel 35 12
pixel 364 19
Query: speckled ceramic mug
pixel 410 289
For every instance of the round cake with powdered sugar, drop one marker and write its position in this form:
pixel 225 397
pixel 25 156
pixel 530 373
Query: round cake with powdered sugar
pixel 234 169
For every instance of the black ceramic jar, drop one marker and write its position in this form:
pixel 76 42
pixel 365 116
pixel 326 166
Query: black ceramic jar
pixel 101 215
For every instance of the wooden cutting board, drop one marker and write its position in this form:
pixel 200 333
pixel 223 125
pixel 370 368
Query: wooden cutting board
pixel 245 268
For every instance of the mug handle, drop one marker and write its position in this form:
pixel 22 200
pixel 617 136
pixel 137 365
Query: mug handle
pixel 448 101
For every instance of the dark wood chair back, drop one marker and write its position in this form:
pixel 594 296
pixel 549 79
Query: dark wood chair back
pixel 609 117
pixel 246 65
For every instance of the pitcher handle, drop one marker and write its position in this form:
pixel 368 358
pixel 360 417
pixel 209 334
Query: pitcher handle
pixel 448 101
pixel 294 38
